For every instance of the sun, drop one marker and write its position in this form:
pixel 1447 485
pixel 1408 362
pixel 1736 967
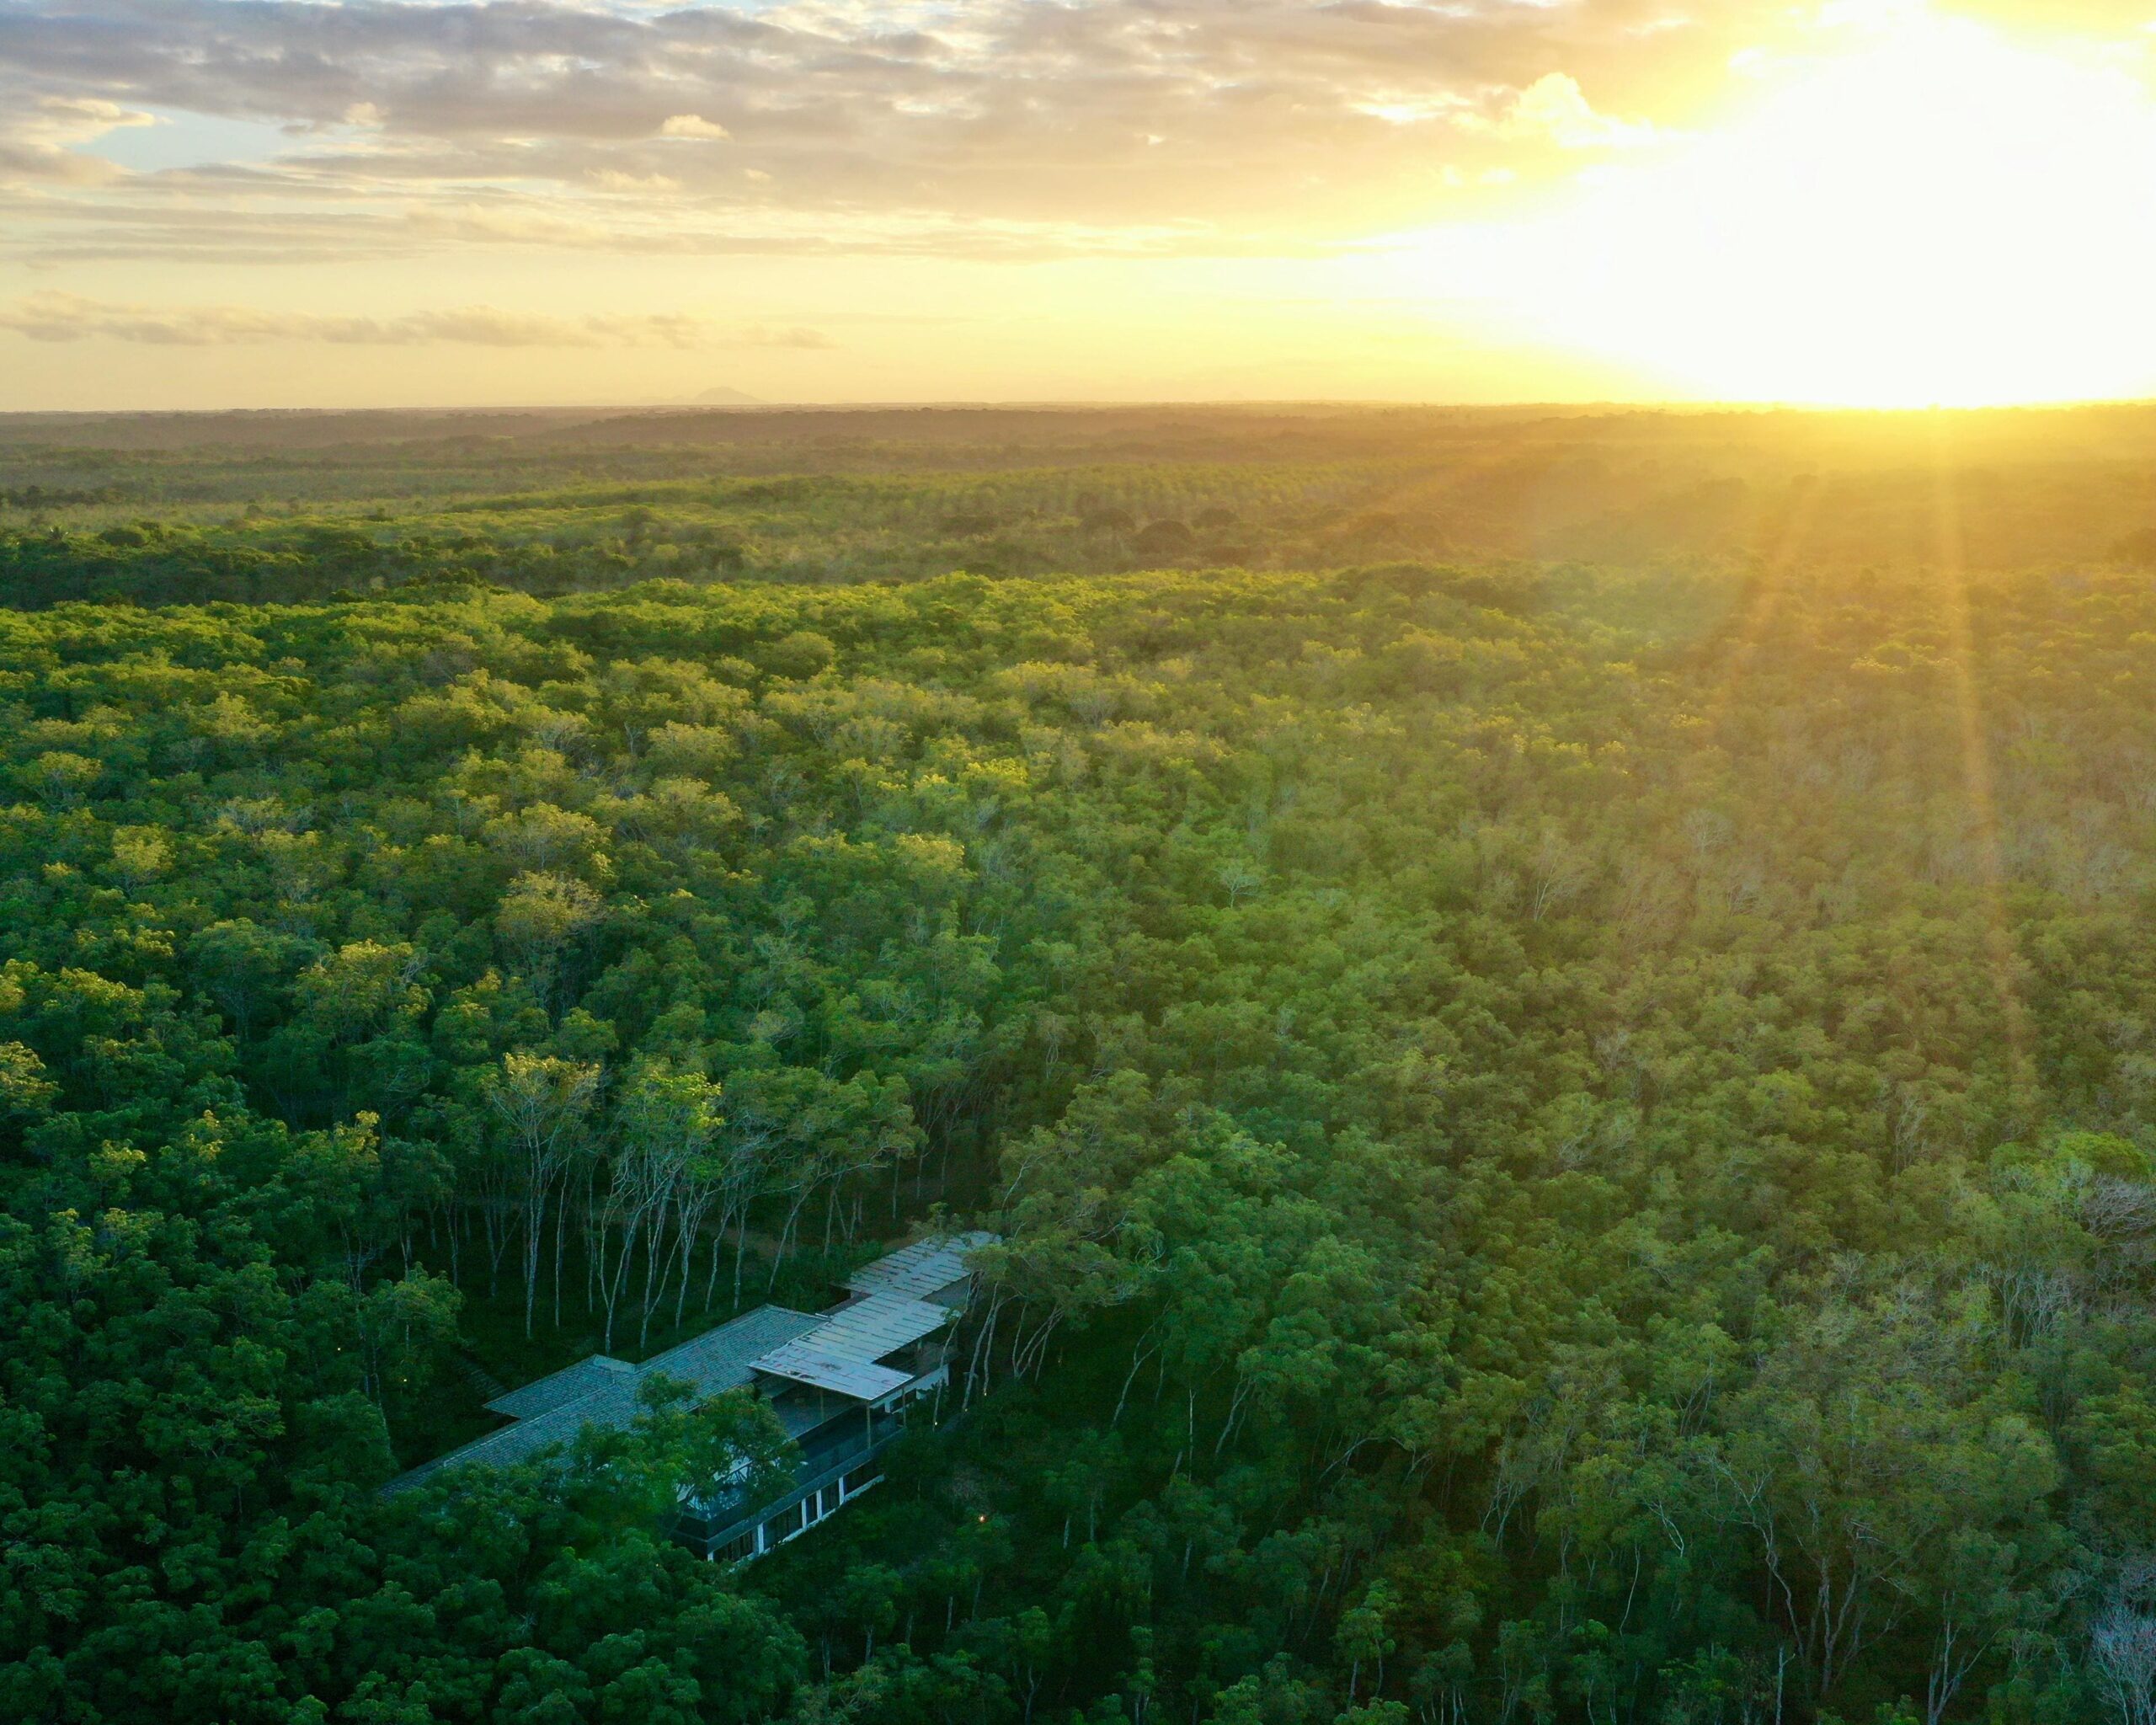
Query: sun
pixel 1945 218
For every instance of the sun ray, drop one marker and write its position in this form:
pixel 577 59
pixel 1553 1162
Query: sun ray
pixel 1761 606
pixel 2001 951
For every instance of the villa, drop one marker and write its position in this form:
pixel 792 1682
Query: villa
pixel 841 1382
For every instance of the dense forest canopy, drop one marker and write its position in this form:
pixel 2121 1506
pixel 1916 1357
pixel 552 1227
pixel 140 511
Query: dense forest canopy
pixel 1572 1133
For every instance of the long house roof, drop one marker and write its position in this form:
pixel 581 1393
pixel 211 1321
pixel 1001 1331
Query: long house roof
pixel 898 1300
pixel 573 1383
pixel 603 1391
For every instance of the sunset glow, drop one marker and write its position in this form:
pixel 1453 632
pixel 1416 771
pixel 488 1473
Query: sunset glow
pixel 1870 202
pixel 1945 219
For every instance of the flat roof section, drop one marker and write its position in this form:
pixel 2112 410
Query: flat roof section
pixel 841 1352
pixel 862 1379
pixel 881 1324
pixel 925 1268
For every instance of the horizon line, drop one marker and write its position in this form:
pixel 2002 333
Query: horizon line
pixel 1069 405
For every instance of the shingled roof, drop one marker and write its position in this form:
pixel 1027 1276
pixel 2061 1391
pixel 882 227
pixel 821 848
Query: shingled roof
pixel 602 1391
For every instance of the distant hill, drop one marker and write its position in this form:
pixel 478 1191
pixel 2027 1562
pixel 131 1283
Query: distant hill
pixel 723 396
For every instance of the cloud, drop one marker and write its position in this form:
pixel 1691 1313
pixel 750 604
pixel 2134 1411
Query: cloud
pixel 37 138
pixel 1556 108
pixel 1212 127
pixel 1237 114
pixel 75 120
pixel 792 335
pixel 53 317
pixel 340 221
pixel 691 125
pixel 613 180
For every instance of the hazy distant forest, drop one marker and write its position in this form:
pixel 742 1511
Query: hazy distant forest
pixel 1555 1009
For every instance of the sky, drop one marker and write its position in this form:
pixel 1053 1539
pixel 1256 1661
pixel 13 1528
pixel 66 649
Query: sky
pixel 262 203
